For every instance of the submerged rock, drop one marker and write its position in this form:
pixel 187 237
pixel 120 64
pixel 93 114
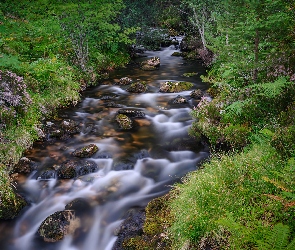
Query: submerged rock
pixel 174 87
pixel 86 151
pixel 56 226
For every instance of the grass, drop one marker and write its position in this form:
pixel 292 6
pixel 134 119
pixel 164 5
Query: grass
pixel 234 200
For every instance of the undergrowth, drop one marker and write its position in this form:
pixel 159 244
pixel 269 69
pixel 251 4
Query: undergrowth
pixel 246 196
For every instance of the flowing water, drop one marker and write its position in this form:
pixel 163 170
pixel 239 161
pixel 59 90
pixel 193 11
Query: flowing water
pixel 134 166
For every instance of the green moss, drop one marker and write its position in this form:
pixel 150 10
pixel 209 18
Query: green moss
pixel 154 235
pixel 10 203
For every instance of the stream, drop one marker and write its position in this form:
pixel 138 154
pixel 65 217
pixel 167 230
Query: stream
pixel 134 166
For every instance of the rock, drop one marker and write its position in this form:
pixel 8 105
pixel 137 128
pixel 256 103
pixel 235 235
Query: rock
pixel 70 126
pixel 72 169
pixel 122 166
pixel 179 99
pixel 197 94
pixel 11 203
pixel 113 105
pixel 173 87
pixel 125 81
pixel 24 166
pixel 109 96
pixel 47 174
pixel 79 205
pixel 124 121
pixel 85 152
pixel 56 226
pixel 134 113
pixel 132 226
pixel 137 87
pixel 151 64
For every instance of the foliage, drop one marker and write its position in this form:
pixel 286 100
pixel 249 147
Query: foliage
pixel 244 193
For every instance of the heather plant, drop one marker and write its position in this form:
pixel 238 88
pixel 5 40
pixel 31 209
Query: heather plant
pixel 14 97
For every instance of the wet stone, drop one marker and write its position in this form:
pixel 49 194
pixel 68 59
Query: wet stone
pixel 86 151
pixel 24 166
pixel 132 113
pixel 179 100
pixel 123 166
pixel 72 169
pixel 47 174
pixel 125 81
pixel 131 227
pixel 70 126
pixel 109 96
pixel 137 87
pixel 197 94
pixel 124 121
pixel 56 226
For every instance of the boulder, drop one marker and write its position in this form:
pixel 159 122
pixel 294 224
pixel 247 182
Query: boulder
pixel 85 152
pixel 56 226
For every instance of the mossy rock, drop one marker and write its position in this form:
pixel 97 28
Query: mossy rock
pixel 125 81
pixel 56 226
pixel 124 121
pixel 174 87
pixel 86 151
pixel 11 203
pixel 154 235
pixel 137 87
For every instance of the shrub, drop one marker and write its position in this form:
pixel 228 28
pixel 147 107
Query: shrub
pixel 14 98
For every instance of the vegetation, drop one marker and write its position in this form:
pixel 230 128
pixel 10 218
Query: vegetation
pixel 243 198
pixel 49 52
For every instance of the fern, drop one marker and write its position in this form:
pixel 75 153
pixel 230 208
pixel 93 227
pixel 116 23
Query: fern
pixel 271 89
pixel 277 239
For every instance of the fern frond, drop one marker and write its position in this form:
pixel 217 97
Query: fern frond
pixel 291 246
pixel 276 239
